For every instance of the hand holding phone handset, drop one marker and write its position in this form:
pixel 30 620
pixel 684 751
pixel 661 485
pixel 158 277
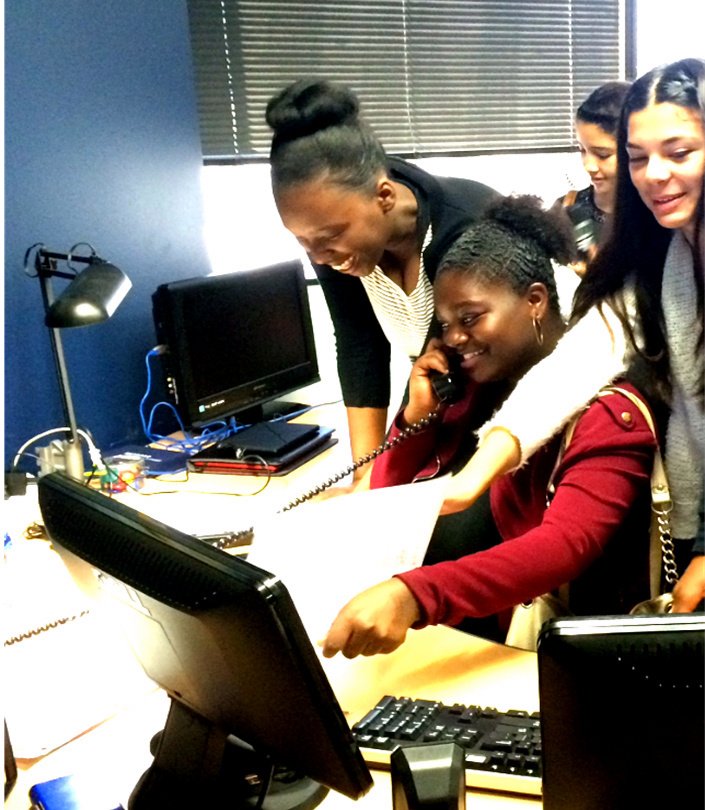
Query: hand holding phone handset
pixel 436 379
pixel 449 387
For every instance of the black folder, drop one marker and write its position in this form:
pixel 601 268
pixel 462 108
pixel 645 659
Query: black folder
pixel 216 460
pixel 271 440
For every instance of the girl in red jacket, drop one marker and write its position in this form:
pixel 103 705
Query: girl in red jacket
pixel 580 517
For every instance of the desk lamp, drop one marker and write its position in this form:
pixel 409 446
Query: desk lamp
pixel 92 296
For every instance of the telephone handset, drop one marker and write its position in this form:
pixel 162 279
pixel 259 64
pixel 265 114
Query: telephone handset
pixel 448 388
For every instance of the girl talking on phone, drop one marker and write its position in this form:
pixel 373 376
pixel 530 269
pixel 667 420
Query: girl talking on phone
pixel 496 299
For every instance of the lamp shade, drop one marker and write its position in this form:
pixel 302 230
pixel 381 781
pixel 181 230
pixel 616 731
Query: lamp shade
pixel 92 297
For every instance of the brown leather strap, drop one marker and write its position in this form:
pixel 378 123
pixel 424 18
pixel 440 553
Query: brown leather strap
pixel 570 198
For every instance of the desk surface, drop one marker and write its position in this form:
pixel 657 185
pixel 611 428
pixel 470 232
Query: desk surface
pixel 210 503
pixel 437 663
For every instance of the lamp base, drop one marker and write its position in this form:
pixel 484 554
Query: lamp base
pixel 65 456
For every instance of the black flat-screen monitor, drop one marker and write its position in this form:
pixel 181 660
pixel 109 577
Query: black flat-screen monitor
pixel 235 342
pixel 225 641
pixel 622 711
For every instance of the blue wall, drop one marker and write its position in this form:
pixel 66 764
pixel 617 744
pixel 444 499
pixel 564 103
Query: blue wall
pixel 101 146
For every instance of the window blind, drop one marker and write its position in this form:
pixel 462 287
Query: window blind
pixel 434 77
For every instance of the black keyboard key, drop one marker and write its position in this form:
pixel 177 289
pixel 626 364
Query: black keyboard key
pixel 497 745
pixel 373 714
pixel 469 715
pixel 532 764
pixel 477 760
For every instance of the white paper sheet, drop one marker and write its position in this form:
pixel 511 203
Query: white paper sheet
pixel 326 552
pixel 64 669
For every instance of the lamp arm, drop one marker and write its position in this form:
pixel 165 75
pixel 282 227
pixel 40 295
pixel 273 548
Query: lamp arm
pixel 58 352
pixel 45 263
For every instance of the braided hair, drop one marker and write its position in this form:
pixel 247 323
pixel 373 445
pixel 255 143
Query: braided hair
pixel 318 133
pixel 513 243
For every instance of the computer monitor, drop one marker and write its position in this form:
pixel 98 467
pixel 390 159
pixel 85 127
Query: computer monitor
pixel 225 641
pixel 622 711
pixel 235 342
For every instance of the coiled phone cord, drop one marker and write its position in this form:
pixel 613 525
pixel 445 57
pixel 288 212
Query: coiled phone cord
pixel 417 427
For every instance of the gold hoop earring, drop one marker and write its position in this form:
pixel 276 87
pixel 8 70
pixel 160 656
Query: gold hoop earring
pixel 538 330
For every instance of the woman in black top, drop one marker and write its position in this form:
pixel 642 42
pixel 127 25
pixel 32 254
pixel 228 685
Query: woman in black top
pixel 374 227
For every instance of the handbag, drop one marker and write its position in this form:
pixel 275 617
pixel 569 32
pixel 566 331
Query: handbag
pixel 528 617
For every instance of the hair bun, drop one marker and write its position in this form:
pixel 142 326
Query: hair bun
pixel 309 105
pixel 524 216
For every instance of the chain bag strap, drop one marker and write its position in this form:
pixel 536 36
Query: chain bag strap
pixel 662 558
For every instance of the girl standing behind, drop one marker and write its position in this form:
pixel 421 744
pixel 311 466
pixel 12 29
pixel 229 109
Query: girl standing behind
pixel 374 227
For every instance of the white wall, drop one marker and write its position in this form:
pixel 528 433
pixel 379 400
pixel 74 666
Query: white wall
pixel 668 31
pixel 243 229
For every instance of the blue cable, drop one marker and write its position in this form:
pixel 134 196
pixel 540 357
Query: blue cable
pixel 210 434
pixel 214 432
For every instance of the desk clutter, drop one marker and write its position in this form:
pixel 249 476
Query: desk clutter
pixel 265 448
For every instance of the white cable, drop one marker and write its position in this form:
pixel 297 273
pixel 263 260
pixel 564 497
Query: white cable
pixel 93 451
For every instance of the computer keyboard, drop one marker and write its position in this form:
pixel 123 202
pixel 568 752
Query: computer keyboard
pixel 502 749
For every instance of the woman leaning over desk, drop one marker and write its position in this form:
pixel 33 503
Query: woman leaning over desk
pixel 374 227
pixel 642 296
pixel 498 307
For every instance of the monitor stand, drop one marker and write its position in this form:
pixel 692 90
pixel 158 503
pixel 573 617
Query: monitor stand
pixel 197 765
pixel 277 409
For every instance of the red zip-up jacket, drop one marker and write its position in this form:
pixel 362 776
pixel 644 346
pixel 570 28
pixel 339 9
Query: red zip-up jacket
pixel 593 535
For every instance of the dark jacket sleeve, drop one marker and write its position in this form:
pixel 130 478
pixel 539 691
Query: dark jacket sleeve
pixel 604 472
